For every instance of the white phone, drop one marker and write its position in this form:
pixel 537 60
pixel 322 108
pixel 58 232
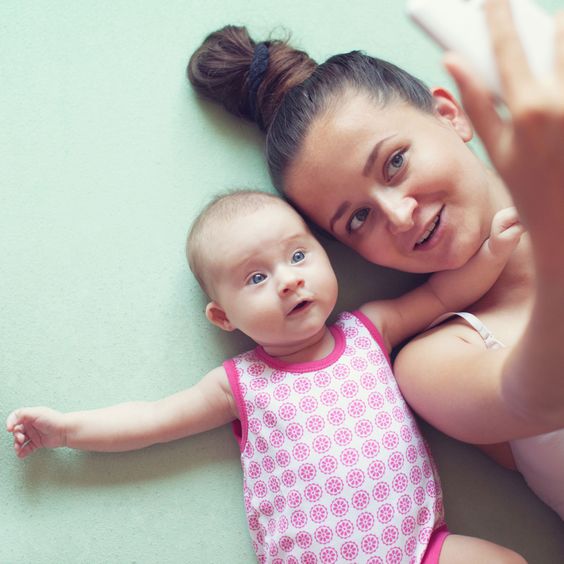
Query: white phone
pixel 460 25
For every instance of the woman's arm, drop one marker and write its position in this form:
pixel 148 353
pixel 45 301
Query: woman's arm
pixel 126 426
pixel 452 381
pixel 447 375
pixel 525 390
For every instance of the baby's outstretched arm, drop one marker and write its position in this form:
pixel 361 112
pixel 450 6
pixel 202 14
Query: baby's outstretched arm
pixel 126 426
pixel 448 290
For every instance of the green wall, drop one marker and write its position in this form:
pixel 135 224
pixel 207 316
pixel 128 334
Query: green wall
pixel 106 156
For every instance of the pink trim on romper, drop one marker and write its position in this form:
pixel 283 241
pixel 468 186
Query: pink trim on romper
pixel 297 367
pixel 435 545
pixel 239 426
pixel 374 332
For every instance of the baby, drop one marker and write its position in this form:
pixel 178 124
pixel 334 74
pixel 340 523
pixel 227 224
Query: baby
pixel 334 465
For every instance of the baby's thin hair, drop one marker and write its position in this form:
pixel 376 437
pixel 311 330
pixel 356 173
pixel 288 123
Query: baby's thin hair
pixel 220 210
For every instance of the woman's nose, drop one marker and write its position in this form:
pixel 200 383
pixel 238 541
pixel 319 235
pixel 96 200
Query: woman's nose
pixel 398 210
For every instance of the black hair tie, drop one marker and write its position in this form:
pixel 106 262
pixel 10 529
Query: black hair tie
pixel 257 71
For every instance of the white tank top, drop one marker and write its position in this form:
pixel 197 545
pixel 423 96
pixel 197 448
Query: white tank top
pixel 540 459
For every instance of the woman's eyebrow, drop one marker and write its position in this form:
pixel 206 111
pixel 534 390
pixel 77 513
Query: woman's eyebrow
pixel 366 171
pixel 338 214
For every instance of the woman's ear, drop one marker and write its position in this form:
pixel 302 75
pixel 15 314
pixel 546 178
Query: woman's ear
pixel 449 109
pixel 216 315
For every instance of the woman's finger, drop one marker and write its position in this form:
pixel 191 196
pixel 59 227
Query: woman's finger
pixel 559 45
pixel 513 67
pixel 477 100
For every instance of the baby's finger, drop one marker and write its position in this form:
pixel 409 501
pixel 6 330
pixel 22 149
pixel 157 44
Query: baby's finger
pixel 12 420
pixel 20 417
pixel 504 219
pixel 33 436
pixel 18 446
pixel 511 233
pixel 19 427
pixel 24 450
pixel 20 437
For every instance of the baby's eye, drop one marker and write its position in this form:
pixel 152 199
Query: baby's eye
pixel 357 220
pixel 298 256
pixel 394 165
pixel 257 278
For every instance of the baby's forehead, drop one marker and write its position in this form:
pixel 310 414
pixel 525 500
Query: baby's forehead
pixel 274 209
pixel 246 233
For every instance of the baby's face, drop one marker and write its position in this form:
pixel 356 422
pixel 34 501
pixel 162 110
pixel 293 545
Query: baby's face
pixel 271 277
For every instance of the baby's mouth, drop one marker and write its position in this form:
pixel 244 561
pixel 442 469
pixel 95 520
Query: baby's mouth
pixel 299 306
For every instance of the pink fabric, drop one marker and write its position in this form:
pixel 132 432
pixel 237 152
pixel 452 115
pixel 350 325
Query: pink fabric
pixel 334 466
pixel 435 545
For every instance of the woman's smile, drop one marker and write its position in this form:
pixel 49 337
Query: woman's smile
pixel 432 234
pixel 427 216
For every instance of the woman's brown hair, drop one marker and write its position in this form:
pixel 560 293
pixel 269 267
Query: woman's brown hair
pixel 294 90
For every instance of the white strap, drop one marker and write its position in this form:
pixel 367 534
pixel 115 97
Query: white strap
pixel 489 340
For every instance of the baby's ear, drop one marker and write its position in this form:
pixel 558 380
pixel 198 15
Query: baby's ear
pixel 216 315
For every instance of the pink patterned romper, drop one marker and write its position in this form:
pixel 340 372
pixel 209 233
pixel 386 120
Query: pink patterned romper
pixel 334 466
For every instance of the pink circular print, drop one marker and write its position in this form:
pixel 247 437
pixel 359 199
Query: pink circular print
pixel 335 468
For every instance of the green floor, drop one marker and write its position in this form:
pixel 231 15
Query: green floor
pixel 105 157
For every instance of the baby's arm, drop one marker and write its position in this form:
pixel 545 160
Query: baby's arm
pixel 126 426
pixel 448 290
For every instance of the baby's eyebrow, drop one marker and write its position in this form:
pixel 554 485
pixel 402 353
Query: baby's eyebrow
pixel 254 255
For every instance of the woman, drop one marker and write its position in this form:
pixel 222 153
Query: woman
pixel 381 162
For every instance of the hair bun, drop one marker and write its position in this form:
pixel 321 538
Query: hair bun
pixel 220 69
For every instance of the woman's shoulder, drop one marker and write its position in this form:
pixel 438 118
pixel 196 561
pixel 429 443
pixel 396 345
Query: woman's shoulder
pixel 452 329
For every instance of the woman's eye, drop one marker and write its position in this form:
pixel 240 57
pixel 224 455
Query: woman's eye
pixel 257 278
pixel 298 256
pixel 395 164
pixel 357 220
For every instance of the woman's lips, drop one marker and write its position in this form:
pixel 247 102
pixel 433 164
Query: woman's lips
pixel 430 235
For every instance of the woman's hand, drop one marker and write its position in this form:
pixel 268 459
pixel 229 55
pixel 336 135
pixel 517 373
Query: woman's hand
pixel 527 146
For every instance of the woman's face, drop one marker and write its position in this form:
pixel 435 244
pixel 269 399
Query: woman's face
pixel 397 185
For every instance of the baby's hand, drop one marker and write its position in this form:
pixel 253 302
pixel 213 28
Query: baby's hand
pixel 505 233
pixel 36 427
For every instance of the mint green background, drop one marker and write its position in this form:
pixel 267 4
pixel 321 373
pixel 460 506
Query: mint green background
pixel 106 156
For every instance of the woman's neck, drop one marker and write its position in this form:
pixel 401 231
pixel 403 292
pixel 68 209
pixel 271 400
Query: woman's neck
pixel 500 197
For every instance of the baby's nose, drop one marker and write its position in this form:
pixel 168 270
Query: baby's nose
pixel 291 282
